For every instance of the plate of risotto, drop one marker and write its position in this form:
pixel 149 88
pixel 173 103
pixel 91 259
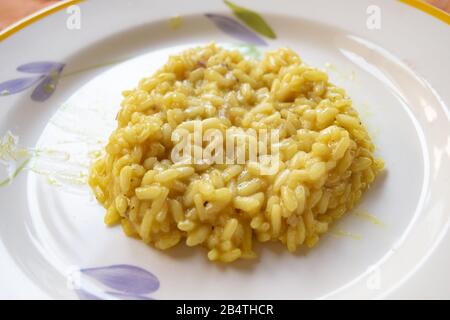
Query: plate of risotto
pixel 249 150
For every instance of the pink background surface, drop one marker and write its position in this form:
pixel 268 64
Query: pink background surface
pixel 13 10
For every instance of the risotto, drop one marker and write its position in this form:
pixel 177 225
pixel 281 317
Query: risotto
pixel 325 155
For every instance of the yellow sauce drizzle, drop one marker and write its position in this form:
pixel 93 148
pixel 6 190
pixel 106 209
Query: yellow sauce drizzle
pixel 369 217
pixel 175 22
pixel 345 234
pixel 341 75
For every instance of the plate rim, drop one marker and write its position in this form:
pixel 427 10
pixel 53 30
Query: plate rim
pixel 60 6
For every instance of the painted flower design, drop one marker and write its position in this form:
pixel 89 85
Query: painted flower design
pixel 235 29
pixel 250 32
pixel 125 282
pixel 45 79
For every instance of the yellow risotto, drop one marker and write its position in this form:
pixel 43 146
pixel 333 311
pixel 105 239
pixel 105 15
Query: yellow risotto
pixel 326 155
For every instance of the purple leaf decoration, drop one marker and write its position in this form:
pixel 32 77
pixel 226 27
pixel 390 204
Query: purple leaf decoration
pixel 235 29
pixel 127 296
pixel 46 88
pixel 50 72
pixel 17 85
pixel 125 278
pixel 43 67
pixel 85 295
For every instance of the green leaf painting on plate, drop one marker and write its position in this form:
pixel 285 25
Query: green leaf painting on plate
pixel 252 20
pixel 19 169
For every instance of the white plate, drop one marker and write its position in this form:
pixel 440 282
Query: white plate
pixel 53 240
